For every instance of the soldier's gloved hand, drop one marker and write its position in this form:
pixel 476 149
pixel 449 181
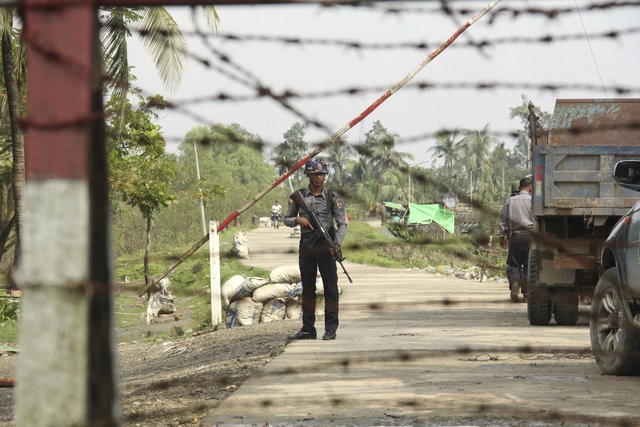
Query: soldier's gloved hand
pixel 304 222
pixel 334 251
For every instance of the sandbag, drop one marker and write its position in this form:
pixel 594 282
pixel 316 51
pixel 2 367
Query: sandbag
pixel 296 291
pixel 161 301
pixel 247 311
pixel 237 287
pixel 232 317
pixel 240 247
pixel 230 289
pixel 273 290
pixel 273 310
pixel 285 274
pixel 294 309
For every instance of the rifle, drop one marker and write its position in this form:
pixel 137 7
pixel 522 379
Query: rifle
pixel 299 200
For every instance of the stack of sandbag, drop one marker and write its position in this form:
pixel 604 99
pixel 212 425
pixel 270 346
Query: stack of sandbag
pixel 255 300
pixel 161 301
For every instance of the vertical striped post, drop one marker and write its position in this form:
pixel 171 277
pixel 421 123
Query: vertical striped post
pixel 66 372
pixel 214 271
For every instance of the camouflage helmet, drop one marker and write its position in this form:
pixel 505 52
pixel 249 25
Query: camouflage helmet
pixel 314 166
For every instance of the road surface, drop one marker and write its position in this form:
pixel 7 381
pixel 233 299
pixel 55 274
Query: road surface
pixel 415 348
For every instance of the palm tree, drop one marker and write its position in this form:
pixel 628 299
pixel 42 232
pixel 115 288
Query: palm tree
pixel 338 155
pixel 161 36
pixel 477 147
pixel 448 149
pixel 366 185
pixel 379 147
pixel 13 73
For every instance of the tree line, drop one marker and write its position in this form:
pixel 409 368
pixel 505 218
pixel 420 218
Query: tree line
pixel 156 196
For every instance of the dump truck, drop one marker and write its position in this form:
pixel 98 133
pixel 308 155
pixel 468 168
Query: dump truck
pixel 575 201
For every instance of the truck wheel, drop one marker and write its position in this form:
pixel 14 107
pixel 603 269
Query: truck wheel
pixel 538 307
pixel 565 308
pixel 538 302
pixel 615 342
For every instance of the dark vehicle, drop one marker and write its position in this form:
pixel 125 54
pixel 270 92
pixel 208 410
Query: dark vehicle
pixel 575 200
pixel 615 309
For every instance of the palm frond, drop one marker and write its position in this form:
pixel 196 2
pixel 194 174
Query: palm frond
pixel 165 42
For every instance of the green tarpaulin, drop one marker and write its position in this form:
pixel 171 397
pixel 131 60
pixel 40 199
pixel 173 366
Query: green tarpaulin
pixel 392 205
pixel 426 214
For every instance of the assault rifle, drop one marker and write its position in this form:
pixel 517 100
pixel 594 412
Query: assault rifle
pixel 299 200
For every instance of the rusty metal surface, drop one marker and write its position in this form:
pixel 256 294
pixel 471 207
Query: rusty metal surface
pixel 581 262
pixel 595 122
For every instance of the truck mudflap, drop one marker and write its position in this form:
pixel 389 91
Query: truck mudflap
pixel 560 301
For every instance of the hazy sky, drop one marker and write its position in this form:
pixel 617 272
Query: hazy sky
pixel 312 68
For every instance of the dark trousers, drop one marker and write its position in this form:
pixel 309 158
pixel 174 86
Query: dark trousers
pixel 519 250
pixel 311 259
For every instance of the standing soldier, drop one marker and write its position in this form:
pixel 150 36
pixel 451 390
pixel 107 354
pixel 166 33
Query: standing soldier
pixel 515 228
pixel 314 253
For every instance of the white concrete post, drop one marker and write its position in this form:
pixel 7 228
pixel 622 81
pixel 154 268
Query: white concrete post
pixel 214 269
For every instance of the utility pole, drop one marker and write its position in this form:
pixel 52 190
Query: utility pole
pixel 201 196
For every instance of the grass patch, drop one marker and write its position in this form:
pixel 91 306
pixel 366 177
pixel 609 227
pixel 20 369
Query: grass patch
pixel 8 331
pixel 374 246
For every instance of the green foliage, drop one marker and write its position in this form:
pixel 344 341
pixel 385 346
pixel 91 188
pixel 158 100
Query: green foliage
pixel 140 171
pixel 9 307
pixel 292 149
pixel 232 172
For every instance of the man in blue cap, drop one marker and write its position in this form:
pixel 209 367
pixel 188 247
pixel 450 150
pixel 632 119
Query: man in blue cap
pixel 314 253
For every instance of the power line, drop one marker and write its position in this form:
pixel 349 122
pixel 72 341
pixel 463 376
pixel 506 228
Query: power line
pixel 586 36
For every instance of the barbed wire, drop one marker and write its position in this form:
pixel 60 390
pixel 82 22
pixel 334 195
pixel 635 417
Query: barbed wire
pixel 262 92
pixel 224 64
pixel 503 10
pixel 421 45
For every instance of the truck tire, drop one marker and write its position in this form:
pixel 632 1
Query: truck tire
pixel 538 308
pixel 615 342
pixel 538 301
pixel 565 307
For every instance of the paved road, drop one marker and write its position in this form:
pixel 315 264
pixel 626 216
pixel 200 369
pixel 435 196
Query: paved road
pixel 420 349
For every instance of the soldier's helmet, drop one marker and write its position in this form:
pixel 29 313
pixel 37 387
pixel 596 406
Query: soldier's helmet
pixel 314 166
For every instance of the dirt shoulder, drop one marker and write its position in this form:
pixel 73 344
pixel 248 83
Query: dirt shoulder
pixel 175 382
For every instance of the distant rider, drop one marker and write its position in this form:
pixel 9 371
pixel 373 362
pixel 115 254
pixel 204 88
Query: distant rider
pixel 276 214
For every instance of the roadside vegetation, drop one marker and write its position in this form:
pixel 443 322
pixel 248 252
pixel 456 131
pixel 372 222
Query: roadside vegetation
pixel 365 244
pixel 159 200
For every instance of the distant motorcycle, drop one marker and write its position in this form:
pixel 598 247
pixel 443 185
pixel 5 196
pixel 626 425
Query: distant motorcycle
pixel 276 219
